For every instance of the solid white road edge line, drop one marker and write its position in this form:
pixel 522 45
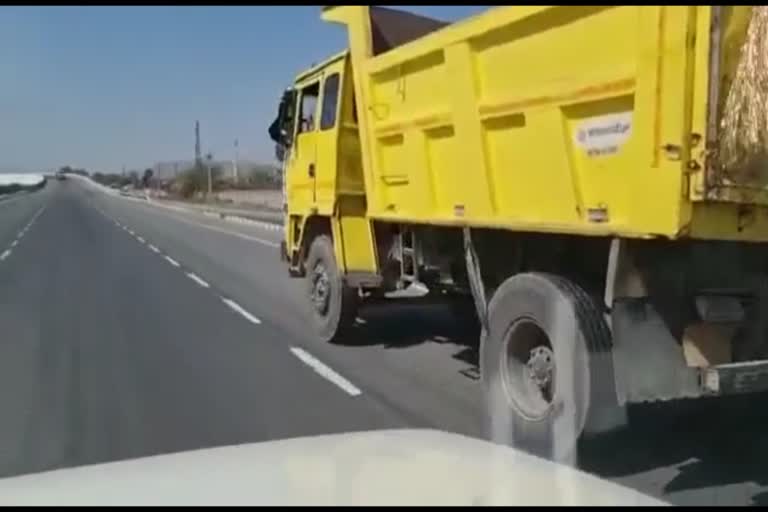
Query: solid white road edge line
pixel 239 235
pixel 172 261
pixel 228 232
pixel 236 307
pixel 325 371
pixel 5 254
pixel 198 280
pixel 212 228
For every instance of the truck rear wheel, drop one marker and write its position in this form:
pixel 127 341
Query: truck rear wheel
pixel 333 304
pixel 543 363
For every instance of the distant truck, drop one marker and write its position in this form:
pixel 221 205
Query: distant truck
pixel 555 164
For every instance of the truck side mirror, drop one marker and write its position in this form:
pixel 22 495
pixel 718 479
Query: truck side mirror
pixel 286 116
pixel 281 129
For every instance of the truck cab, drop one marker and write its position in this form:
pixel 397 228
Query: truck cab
pixel 317 137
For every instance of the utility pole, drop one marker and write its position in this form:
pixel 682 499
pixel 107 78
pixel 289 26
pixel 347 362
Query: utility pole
pixel 234 163
pixel 209 158
pixel 198 160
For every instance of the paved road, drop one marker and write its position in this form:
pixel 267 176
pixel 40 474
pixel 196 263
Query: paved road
pixel 130 329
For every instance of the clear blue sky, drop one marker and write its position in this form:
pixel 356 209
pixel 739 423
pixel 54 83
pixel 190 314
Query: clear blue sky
pixel 103 87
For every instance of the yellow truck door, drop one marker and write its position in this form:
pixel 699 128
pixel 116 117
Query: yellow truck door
pixel 314 158
pixel 328 137
pixel 301 168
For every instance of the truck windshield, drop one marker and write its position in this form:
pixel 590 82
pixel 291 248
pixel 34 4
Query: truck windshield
pixel 330 102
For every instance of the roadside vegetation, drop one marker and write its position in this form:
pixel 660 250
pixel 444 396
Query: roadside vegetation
pixel 12 188
pixel 191 182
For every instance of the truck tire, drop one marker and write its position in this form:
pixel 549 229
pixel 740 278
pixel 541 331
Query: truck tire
pixel 333 304
pixel 545 364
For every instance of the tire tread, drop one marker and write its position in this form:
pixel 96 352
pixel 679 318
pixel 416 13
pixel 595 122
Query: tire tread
pixel 323 244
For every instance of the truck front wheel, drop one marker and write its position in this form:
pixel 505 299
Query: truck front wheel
pixel 543 364
pixel 333 304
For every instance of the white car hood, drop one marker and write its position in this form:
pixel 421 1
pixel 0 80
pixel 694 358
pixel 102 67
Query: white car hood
pixel 398 467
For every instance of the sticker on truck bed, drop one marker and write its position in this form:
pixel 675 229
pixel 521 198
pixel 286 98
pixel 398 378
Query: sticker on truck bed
pixel 603 135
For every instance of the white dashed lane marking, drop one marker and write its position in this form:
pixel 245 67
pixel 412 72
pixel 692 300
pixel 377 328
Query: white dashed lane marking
pixel 317 366
pixel 39 212
pixel 198 280
pixel 236 307
pixel 8 251
pixel 325 372
pixel 172 261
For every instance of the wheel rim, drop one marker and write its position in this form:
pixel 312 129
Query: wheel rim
pixel 528 369
pixel 321 289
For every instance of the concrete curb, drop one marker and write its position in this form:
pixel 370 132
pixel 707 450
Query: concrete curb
pixel 238 219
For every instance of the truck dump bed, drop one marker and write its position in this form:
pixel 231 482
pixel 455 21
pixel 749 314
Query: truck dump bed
pixel 574 119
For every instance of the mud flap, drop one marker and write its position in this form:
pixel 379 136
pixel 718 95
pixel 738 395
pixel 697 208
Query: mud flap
pixel 604 416
pixel 475 278
pixel 649 362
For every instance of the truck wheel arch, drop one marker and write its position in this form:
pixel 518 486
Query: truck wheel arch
pixel 314 226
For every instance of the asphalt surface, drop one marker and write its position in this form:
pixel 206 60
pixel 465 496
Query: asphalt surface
pixel 127 329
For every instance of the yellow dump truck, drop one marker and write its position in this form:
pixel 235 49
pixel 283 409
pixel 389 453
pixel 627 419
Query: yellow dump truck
pixel 559 166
